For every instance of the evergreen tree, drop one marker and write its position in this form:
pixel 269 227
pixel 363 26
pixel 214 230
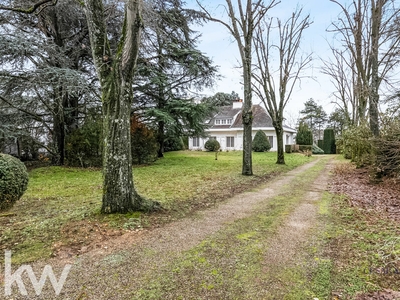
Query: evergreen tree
pixel 304 135
pixel 329 141
pixel 169 68
pixel 315 117
pixel 46 71
pixel 261 142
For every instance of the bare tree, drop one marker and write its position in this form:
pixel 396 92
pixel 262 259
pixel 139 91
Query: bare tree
pixel 241 26
pixel 288 70
pixel 340 70
pixel 366 30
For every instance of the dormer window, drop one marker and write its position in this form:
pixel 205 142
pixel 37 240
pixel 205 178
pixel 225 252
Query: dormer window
pixel 223 121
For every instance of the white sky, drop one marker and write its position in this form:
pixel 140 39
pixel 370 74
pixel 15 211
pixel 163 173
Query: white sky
pixel 217 43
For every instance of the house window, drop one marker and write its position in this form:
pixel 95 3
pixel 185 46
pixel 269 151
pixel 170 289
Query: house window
pixel 230 142
pixel 229 121
pixel 271 141
pixel 217 122
pixel 196 142
pixel 223 122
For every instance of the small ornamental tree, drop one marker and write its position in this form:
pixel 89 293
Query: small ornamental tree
pixel 304 135
pixel 83 145
pixel 13 180
pixel 261 142
pixel 213 146
pixel 329 141
pixel 143 142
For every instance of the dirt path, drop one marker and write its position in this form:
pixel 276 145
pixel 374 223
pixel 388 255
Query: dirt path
pixel 163 263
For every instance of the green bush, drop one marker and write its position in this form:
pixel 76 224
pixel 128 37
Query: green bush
pixel 143 142
pixel 13 180
pixel 83 145
pixel 317 150
pixel 261 142
pixel 357 145
pixel 288 148
pixel 173 143
pixel 320 144
pixel 212 145
pixel 304 135
pixel 329 141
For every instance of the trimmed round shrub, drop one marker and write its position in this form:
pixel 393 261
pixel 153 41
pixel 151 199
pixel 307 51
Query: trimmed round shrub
pixel 212 145
pixel 13 180
pixel 173 143
pixel 261 142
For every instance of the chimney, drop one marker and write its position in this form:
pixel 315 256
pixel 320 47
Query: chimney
pixel 237 104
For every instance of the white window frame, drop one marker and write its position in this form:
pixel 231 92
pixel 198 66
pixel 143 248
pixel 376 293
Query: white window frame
pixel 230 142
pixel 271 140
pixel 196 142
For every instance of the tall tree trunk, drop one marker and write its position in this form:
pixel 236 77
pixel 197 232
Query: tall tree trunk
pixel 279 136
pixel 160 139
pixel 374 95
pixel 58 134
pixel 118 190
pixel 115 74
pixel 247 114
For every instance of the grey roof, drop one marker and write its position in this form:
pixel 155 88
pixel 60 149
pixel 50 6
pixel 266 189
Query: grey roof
pixel 260 118
pixel 224 112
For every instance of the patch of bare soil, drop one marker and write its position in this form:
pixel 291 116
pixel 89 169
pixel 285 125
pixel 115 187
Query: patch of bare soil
pixel 383 295
pixel 83 236
pixel 382 197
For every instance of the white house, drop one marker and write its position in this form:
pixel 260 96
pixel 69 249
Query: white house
pixel 227 128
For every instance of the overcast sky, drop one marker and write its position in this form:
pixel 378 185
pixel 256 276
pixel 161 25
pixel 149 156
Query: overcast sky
pixel 217 43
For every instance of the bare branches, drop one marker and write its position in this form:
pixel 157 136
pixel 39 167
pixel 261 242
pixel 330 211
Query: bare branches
pixel 287 71
pixel 242 25
pixel 290 64
pixel 368 30
pixel 41 4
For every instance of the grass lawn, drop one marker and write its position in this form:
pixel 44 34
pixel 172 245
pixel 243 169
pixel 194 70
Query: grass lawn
pixel 58 197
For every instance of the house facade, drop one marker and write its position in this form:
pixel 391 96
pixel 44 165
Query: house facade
pixel 227 128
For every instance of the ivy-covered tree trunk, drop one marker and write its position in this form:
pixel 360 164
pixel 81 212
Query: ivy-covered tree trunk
pixel 115 74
